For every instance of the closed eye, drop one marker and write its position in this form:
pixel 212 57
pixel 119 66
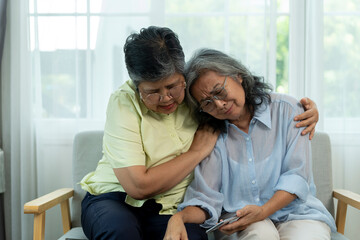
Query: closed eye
pixel 218 91
pixel 206 102
pixel 173 85
pixel 151 91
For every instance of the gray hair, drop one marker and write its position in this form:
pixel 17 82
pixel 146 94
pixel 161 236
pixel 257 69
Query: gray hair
pixel 153 54
pixel 204 60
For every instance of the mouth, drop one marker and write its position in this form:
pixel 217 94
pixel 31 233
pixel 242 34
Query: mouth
pixel 229 110
pixel 168 107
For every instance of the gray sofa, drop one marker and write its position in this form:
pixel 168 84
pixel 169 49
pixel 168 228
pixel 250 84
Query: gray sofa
pixel 88 150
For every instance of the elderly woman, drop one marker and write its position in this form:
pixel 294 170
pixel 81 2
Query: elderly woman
pixel 260 169
pixel 149 146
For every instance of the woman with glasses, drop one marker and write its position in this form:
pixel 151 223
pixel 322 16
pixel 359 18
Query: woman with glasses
pixel 151 145
pixel 259 173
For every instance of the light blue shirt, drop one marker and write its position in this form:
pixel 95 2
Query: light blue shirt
pixel 247 169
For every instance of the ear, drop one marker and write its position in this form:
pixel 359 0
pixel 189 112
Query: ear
pixel 239 78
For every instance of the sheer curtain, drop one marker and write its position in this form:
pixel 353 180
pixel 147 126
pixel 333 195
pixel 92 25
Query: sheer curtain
pixel 341 98
pixel 2 161
pixel 62 60
pixel 17 135
pixel 322 66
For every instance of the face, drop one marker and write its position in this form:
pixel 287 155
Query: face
pixel 163 96
pixel 230 105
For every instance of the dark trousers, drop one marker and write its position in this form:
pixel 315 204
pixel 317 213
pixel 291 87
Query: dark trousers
pixel 107 216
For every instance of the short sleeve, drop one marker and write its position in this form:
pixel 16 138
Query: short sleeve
pixel 122 143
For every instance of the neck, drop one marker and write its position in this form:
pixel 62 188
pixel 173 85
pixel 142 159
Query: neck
pixel 243 122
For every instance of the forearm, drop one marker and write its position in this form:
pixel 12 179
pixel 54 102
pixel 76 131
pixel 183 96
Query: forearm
pixel 142 183
pixel 280 200
pixel 163 177
pixel 192 214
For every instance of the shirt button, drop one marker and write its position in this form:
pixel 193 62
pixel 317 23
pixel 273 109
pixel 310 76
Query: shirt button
pixel 253 181
pixel 247 139
pixel 250 159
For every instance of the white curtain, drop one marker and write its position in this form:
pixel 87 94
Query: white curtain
pixel 3 4
pixel 62 59
pixel 17 121
pixel 324 38
pixel 341 98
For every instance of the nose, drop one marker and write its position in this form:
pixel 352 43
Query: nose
pixel 165 97
pixel 219 103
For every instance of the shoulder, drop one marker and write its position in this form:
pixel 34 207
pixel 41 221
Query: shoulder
pixel 125 98
pixel 285 103
pixel 283 98
pixel 126 92
pixel 123 110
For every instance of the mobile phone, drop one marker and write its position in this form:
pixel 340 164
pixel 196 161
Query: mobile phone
pixel 219 224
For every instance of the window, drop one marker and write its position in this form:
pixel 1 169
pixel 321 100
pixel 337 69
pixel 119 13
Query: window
pixel 77 46
pixel 77 55
pixel 282 51
pixel 341 58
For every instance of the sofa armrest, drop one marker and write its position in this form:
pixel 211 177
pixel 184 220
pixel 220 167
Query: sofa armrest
pixel 345 198
pixel 39 206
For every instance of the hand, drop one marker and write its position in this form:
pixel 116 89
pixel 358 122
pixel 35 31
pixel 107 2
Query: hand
pixel 175 229
pixel 309 118
pixel 248 215
pixel 204 140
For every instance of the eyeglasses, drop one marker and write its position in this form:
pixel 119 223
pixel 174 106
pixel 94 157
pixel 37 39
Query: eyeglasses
pixel 209 105
pixel 155 98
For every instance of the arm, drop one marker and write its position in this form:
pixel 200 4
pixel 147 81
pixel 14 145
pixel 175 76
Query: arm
pixel 203 200
pixel 296 173
pixel 142 183
pixel 125 150
pixel 204 190
pixel 280 200
pixel 309 118
pixel 176 228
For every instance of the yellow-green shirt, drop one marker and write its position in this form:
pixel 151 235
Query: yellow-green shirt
pixel 135 135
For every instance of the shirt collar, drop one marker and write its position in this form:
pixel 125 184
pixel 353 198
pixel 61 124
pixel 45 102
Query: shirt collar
pixel 263 115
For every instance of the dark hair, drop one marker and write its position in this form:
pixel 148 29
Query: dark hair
pixel 204 60
pixel 153 54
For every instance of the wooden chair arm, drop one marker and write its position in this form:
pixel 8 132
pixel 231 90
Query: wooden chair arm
pixel 345 198
pixel 348 197
pixel 48 201
pixel 39 206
